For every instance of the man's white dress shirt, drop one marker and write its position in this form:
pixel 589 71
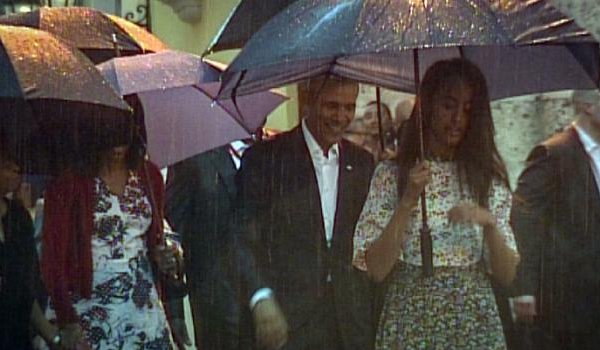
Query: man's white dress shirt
pixel 327 174
pixel 592 148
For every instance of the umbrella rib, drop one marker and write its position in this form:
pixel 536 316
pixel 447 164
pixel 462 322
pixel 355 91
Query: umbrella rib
pixel 217 37
pixel 216 101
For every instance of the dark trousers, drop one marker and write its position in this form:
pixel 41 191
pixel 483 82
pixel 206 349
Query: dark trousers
pixel 321 331
pixel 216 319
pixel 534 337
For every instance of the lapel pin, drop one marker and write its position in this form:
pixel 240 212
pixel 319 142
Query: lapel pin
pixel 349 167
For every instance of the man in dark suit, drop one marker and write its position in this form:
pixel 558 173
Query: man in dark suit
pixel 200 196
pixel 556 219
pixel 301 195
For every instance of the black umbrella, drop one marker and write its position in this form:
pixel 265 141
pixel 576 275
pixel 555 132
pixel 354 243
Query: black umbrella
pixel 522 47
pixel 53 101
pixel 99 35
pixel 527 47
pixel 245 19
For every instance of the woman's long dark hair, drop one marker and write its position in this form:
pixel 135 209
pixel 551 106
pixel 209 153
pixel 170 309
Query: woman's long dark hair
pixel 477 157
pixel 130 132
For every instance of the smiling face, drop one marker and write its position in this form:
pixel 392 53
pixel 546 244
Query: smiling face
pixel 333 111
pixel 451 113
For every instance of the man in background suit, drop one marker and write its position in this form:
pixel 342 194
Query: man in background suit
pixel 300 195
pixel 556 219
pixel 200 196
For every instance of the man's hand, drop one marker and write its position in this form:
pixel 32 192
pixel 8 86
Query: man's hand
pixel 180 333
pixel 525 308
pixel 270 324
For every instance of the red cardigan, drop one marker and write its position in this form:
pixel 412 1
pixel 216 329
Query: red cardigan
pixel 67 235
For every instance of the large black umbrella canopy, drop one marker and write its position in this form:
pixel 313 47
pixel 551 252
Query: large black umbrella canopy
pixel 99 35
pixel 245 19
pixel 522 46
pixel 53 101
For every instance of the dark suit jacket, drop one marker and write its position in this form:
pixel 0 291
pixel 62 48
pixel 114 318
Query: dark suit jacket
pixel 200 197
pixel 556 219
pixel 18 277
pixel 282 233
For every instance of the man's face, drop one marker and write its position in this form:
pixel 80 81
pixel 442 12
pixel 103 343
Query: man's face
pixel 333 112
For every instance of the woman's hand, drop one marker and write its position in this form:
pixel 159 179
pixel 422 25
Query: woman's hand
pixel 71 336
pixel 503 259
pixel 468 213
pixel 418 177
pixel 169 258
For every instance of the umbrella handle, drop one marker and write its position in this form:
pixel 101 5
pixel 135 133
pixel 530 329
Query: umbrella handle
pixel 379 118
pixel 426 241
pixel 116 45
pixel 425 237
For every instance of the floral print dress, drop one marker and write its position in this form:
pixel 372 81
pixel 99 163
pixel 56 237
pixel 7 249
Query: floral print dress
pixel 456 308
pixel 124 311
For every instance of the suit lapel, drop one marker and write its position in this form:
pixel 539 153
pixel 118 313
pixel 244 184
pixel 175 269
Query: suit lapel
pixel 226 170
pixel 307 180
pixel 346 174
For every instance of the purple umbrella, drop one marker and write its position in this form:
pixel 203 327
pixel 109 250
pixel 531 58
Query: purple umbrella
pixel 177 92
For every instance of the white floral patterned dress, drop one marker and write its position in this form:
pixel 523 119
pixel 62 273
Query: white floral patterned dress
pixel 456 308
pixel 124 311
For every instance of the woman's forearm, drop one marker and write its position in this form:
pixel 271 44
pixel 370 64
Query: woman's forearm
pixel 383 254
pixel 41 324
pixel 503 259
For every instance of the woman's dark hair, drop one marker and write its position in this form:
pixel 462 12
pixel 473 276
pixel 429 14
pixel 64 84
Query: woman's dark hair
pixel 477 157
pixel 130 132
pixel 7 157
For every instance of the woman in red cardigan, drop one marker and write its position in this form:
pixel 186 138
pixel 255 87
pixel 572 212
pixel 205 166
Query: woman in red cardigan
pixel 102 229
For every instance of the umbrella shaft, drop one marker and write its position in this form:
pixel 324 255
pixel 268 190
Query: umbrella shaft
pixel 426 250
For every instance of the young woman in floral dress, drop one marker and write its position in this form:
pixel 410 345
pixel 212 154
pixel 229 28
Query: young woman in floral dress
pixel 468 201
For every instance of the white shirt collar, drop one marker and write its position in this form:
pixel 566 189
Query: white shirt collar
pixel 236 150
pixel 239 146
pixel 313 146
